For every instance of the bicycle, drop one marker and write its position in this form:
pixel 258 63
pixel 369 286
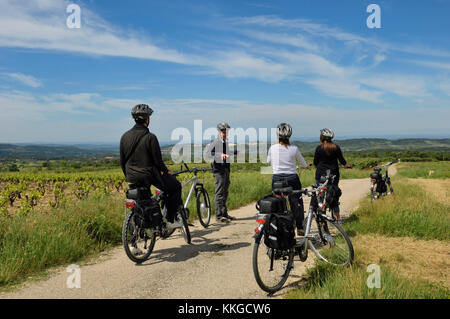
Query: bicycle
pixel 202 198
pixel 328 241
pixel 139 242
pixel 379 184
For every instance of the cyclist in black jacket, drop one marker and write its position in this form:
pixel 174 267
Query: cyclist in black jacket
pixel 326 158
pixel 142 163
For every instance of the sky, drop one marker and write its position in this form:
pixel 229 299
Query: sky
pixel 253 64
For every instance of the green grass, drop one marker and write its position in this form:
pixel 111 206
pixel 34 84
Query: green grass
pixel 30 244
pixel 409 212
pixel 424 169
pixel 326 281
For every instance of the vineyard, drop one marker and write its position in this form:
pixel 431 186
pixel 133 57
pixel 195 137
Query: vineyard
pixel 22 192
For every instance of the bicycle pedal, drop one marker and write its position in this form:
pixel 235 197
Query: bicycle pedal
pixel 191 225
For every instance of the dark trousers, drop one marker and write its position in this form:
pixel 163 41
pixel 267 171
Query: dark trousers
pixel 221 182
pixel 296 201
pixel 172 190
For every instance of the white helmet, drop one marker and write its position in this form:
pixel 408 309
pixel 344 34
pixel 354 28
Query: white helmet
pixel 284 130
pixel 326 133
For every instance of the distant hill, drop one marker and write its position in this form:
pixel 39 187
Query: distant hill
pixel 85 151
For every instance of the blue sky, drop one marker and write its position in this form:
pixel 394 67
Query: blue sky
pixel 312 64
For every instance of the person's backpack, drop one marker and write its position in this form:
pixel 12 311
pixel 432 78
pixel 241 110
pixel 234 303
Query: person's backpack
pixel 147 213
pixel 279 231
pixel 332 196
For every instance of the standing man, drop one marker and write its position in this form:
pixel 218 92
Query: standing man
pixel 220 152
pixel 142 163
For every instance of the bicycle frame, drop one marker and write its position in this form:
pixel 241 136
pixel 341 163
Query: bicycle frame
pixel 194 181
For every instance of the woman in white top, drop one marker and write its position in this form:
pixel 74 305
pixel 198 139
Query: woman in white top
pixel 284 158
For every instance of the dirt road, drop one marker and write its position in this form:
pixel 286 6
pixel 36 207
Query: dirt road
pixel 217 264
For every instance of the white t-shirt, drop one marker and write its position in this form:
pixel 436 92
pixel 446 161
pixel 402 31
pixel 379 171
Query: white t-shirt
pixel 284 159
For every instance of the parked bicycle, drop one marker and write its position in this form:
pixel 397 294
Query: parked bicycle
pixel 201 195
pixel 327 239
pixel 379 183
pixel 145 221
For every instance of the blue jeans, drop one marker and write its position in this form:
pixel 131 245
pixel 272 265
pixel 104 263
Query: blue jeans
pixel 296 201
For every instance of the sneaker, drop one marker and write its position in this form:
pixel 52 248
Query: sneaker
pixel 175 224
pixel 222 219
pixel 136 251
pixel 230 217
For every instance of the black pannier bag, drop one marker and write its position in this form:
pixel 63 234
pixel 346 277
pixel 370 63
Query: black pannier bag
pixel 271 204
pixel 138 193
pixel 381 186
pixel 333 195
pixel 375 176
pixel 279 232
pixel 147 213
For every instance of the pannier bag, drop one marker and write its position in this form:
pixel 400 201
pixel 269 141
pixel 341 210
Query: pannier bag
pixel 271 204
pixel 333 195
pixel 375 176
pixel 381 186
pixel 138 193
pixel 147 213
pixel 279 232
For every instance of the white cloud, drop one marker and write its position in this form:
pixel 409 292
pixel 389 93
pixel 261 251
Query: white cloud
pixel 398 84
pixel 27 80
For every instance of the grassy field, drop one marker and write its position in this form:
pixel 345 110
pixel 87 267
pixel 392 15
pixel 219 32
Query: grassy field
pixel 407 235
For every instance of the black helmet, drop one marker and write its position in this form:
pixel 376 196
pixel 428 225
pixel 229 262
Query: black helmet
pixel 223 126
pixel 327 134
pixel 284 130
pixel 141 112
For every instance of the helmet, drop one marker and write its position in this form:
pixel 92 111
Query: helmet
pixel 141 111
pixel 326 133
pixel 284 130
pixel 222 126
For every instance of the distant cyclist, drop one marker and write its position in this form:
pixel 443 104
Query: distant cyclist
pixel 326 158
pixel 284 158
pixel 142 163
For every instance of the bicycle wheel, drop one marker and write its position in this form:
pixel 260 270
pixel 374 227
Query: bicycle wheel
pixel 181 216
pixel 271 267
pixel 137 242
pixel 331 244
pixel 203 207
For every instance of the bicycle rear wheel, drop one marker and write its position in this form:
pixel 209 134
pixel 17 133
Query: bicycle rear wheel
pixel 203 207
pixel 182 216
pixel 332 244
pixel 137 242
pixel 271 267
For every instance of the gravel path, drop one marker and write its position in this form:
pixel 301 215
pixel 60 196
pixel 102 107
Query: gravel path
pixel 216 265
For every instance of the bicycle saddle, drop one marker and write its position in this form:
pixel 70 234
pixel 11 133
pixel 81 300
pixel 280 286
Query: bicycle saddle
pixel 377 169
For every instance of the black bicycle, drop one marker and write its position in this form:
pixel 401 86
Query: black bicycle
pixel 327 239
pixel 139 237
pixel 380 185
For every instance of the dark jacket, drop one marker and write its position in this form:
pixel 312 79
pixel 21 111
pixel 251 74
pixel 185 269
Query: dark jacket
pixel 147 154
pixel 215 150
pixel 323 162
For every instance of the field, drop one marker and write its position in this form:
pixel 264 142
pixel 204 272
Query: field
pixel 407 235
pixel 50 218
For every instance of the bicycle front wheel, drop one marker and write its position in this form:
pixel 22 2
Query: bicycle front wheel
pixel 331 243
pixel 271 267
pixel 203 207
pixel 137 242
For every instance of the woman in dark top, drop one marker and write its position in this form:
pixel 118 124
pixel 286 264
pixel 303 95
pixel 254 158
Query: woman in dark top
pixel 326 158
